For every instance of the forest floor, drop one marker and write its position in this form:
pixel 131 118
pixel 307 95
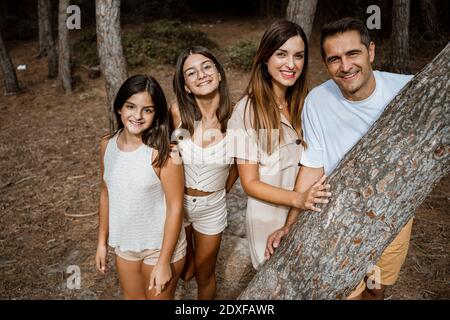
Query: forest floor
pixel 49 174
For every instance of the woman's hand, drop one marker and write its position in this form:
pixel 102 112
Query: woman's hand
pixel 316 194
pixel 160 277
pixel 100 258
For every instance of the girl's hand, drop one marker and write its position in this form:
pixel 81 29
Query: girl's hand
pixel 160 277
pixel 100 258
pixel 316 194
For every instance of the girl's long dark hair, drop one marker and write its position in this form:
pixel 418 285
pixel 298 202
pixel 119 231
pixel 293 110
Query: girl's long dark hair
pixel 158 135
pixel 189 110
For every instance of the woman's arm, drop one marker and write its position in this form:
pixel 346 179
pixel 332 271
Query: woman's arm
pixel 232 177
pixel 300 199
pixel 172 179
pixel 103 215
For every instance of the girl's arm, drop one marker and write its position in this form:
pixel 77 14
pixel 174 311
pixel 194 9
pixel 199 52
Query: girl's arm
pixel 232 177
pixel 172 179
pixel 254 187
pixel 103 214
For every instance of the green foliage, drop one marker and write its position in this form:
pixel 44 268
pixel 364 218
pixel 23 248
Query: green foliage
pixel 161 42
pixel 241 54
pixel 84 47
pixel 158 42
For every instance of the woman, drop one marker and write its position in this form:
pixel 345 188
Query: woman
pixel 267 124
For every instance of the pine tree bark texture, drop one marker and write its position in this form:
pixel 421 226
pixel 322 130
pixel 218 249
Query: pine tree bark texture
pixel 47 46
pixel 400 36
pixel 302 12
pixel 110 52
pixel 44 26
pixel 430 17
pixel 376 190
pixel 9 74
pixel 64 75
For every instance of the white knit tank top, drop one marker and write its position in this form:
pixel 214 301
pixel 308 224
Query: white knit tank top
pixel 205 169
pixel 137 208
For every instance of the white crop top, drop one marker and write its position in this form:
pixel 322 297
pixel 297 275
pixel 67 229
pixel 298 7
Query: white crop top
pixel 205 169
pixel 137 209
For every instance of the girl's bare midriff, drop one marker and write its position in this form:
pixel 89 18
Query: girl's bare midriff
pixel 196 193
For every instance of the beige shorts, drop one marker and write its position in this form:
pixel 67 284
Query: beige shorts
pixel 151 256
pixel 206 214
pixel 388 266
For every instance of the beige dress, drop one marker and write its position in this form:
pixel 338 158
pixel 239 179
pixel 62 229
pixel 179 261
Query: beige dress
pixel 278 169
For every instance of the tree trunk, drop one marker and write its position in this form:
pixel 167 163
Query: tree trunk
pixel 302 12
pixel 44 20
pixel 376 190
pixel 430 18
pixel 47 45
pixel 109 45
pixel 11 84
pixel 400 36
pixel 65 78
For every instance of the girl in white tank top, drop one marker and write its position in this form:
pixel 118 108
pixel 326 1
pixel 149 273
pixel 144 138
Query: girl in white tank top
pixel 200 115
pixel 141 200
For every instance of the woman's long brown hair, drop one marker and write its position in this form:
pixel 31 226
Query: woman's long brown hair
pixel 261 97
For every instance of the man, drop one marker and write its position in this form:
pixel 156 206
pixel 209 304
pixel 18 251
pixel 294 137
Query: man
pixel 336 115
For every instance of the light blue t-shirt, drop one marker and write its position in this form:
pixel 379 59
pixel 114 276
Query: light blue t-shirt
pixel 332 125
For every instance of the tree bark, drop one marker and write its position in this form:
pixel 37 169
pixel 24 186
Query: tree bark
pixel 47 45
pixel 110 52
pixel 44 27
pixel 430 18
pixel 11 84
pixel 64 75
pixel 302 12
pixel 400 36
pixel 376 190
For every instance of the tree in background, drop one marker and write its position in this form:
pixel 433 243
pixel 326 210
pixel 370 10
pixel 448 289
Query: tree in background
pixel 430 18
pixel 400 36
pixel 110 52
pixel 11 84
pixel 47 46
pixel 376 189
pixel 64 74
pixel 302 12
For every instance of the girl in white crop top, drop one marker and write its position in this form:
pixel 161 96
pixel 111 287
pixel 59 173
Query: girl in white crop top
pixel 200 115
pixel 141 200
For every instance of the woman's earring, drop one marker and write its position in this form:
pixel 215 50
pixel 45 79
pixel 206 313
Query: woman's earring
pixel 188 91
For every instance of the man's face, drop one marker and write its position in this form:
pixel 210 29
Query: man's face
pixel 348 62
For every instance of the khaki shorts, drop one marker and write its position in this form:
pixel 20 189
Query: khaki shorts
pixel 207 214
pixel 151 256
pixel 388 266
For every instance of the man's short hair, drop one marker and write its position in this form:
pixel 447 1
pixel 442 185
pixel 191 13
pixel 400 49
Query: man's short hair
pixel 343 25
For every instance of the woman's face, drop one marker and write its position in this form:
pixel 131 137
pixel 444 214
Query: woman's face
pixel 286 63
pixel 137 113
pixel 201 76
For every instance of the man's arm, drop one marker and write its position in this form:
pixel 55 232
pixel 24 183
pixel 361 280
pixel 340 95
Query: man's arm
pixel 306 179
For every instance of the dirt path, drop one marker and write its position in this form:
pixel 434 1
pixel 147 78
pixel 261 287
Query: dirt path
pixel 49 173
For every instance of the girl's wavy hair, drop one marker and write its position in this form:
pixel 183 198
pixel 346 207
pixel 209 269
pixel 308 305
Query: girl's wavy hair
pixel 158 135
pixel 187 105
pixel 261 97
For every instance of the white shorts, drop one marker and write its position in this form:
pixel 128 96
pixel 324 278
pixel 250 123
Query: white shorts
pixel 207 214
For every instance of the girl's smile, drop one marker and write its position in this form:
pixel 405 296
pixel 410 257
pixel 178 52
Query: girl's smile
pixel 137 113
